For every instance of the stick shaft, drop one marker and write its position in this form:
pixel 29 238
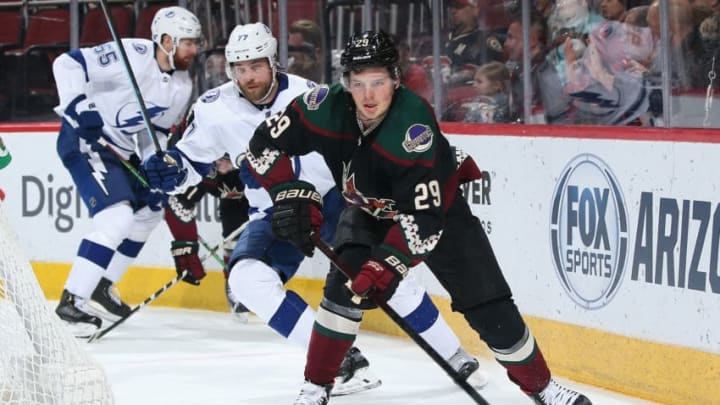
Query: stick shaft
pixel 211 251
pixel 124 162
pixel 131 77
pixel 153 297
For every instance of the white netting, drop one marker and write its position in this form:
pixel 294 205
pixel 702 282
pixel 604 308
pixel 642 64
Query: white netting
pixel 40 362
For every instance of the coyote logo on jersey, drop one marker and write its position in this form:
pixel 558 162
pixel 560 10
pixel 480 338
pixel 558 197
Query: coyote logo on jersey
pixel 380 208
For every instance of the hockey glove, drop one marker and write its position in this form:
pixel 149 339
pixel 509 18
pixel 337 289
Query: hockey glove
pixel 154 200
pixel 381 273
pixel 90 126
pixel 296 214
pixel 165 172
pixel 185 254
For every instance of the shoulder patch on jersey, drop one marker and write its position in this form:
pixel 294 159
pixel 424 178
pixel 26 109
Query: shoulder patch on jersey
pixel 210 96
pixel 139 48
pixel 418 138
pixel 313 98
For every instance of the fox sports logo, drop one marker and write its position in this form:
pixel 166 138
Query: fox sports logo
pixel 589 231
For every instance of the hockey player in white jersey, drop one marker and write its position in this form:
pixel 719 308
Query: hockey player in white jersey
pixel 224 120
pixel 102 129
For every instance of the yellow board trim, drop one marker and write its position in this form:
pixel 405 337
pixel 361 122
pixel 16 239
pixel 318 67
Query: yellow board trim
pixel 658 372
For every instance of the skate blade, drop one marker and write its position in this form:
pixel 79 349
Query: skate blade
pixel 81 330
pixel 479 379
pixel 363 380
pixel 93 308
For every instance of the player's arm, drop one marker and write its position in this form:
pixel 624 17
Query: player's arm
pixel 188 161
pixel 424 191
pixel 71 78
pixel 275 140
pixel 297 206
pixel 180 218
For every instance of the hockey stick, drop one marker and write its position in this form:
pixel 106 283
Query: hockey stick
pixel 131 76
pixel 158 293
pixel 100 333
pixel 102 142
pixel 399 321
pixel 211 251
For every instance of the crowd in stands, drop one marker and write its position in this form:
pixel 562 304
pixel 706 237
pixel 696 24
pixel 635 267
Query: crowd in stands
pixel 591 61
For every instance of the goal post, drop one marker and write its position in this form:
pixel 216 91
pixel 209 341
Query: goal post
pixel 40 361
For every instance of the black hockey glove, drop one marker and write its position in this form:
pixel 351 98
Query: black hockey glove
pixel 297 213
pixel 185 253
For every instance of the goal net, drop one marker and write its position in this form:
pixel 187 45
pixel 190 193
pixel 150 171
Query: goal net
pixel 40 361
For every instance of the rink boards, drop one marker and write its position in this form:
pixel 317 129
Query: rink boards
pixel 610 241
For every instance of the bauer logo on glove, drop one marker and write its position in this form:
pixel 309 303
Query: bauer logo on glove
pixel 296 193
pixel 185 254
pixel 187 250
pixel 297 213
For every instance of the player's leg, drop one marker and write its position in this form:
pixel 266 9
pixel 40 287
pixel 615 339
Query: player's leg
pixel 265 264
pixel 106 191
pixel 233 213
pixel 414 305
pixel 464 263
pixel 105 300
pixel 260 287
pixel 338 319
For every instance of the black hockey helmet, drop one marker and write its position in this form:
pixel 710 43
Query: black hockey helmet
pixel 370 49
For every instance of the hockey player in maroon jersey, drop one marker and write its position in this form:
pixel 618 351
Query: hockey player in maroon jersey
pixel 400 179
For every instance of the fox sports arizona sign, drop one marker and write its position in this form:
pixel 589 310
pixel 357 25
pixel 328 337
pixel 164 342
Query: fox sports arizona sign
pixel 589 231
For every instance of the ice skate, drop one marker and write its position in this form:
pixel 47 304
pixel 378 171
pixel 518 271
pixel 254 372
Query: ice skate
pixel 556 394
pixel 354 375
pixel 468 368
pixel 238 311
pixel 71 310
pixel 313 394
pixel 106 303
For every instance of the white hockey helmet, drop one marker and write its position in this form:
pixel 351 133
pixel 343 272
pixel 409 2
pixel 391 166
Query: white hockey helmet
pixel 176 22
pixel 248 42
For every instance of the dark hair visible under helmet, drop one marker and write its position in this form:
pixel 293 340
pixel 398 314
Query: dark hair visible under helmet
pixel 370 49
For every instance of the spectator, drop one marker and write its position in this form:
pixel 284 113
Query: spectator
pixel 710 34
pixel 637 16
pixel 570 20
pixel 467 44
pixel 713 5
pixel 612 10
pixel 607 83
pixel 544 7
pixel 305 51
pixel 546 91
pixel 492 82
pixel 686 50
pixel 414 76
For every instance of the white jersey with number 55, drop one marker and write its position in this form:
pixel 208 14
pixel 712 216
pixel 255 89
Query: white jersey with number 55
pixel 100 75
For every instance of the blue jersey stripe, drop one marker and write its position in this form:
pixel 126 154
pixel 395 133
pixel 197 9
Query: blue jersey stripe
pixel 79 58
